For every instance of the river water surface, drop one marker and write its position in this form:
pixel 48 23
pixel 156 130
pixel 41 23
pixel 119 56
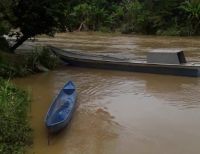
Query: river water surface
pixel 119 112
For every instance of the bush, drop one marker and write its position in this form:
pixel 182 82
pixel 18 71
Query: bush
pixel 42 56
pixel 126 29
pixel 12 65
pixel 104 29
pixel 4 44
pixel 15 131
pixel 171 31
pixel 192 11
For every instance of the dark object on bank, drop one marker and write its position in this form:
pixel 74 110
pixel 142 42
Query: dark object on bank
pixel 62 108
pixel 81 59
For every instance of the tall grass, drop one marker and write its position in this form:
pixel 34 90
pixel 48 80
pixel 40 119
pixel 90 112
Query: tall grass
pixel 15 131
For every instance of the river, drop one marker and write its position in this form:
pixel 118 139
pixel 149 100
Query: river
pixel 119 112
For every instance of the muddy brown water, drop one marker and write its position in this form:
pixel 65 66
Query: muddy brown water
pixel 119 112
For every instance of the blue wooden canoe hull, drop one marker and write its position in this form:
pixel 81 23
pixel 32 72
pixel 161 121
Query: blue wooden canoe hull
pixel 58 127
pixel 61 110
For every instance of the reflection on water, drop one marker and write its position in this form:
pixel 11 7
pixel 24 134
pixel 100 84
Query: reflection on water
pixel 119 112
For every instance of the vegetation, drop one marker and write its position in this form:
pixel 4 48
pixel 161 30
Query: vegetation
pixel 15 131
pixel 28 18
pixel 32 17
pixel 24 19
pixel 166 17
pixel 40 59
pixel 41 56
pixel 192 12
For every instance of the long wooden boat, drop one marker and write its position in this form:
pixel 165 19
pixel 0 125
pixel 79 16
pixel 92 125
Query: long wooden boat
pixel 61 109
pixel 81 59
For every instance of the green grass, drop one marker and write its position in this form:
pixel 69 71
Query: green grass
pixel 15 131
pixel 12 65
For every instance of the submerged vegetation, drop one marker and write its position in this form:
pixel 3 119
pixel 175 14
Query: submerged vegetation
pixel 15 131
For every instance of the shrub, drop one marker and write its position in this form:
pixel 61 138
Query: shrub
pixel 15 131
pixel 4 44
pixel 41 56
pixel 12 65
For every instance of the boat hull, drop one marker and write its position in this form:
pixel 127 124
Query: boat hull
pixel 62 108
pixel 58 127
pixel 96 62
pixel 155 69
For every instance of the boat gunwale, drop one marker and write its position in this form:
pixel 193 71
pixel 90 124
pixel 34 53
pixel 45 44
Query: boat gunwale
pixel 77 57
pixel 54 102
pixel 71 58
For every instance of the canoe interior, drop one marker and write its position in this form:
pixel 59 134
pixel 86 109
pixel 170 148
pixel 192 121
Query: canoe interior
pixel 62 107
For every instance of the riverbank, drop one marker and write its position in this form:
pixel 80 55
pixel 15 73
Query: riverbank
pixel 15 130
pixel 39 59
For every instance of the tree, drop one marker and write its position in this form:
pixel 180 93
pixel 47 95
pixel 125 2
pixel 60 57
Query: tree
pixel 4 25
pixel 192 10
pixel 33 17
pixel 4 13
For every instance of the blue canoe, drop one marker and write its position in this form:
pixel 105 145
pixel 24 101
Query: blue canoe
pixel 62 108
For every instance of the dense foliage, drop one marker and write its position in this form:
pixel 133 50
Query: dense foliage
pixel 31 17
pixel 160 17
pixel 15 132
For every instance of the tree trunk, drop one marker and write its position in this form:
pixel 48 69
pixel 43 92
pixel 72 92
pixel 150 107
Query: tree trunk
pixel 83 27
pixel 19 42
pixel 80 27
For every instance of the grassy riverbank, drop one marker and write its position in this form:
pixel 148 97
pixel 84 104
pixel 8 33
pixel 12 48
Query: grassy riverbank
pixel 15 131
pixel 12 65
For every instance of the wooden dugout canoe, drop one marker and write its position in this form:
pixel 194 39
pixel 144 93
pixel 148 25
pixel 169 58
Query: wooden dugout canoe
pixel 81 59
